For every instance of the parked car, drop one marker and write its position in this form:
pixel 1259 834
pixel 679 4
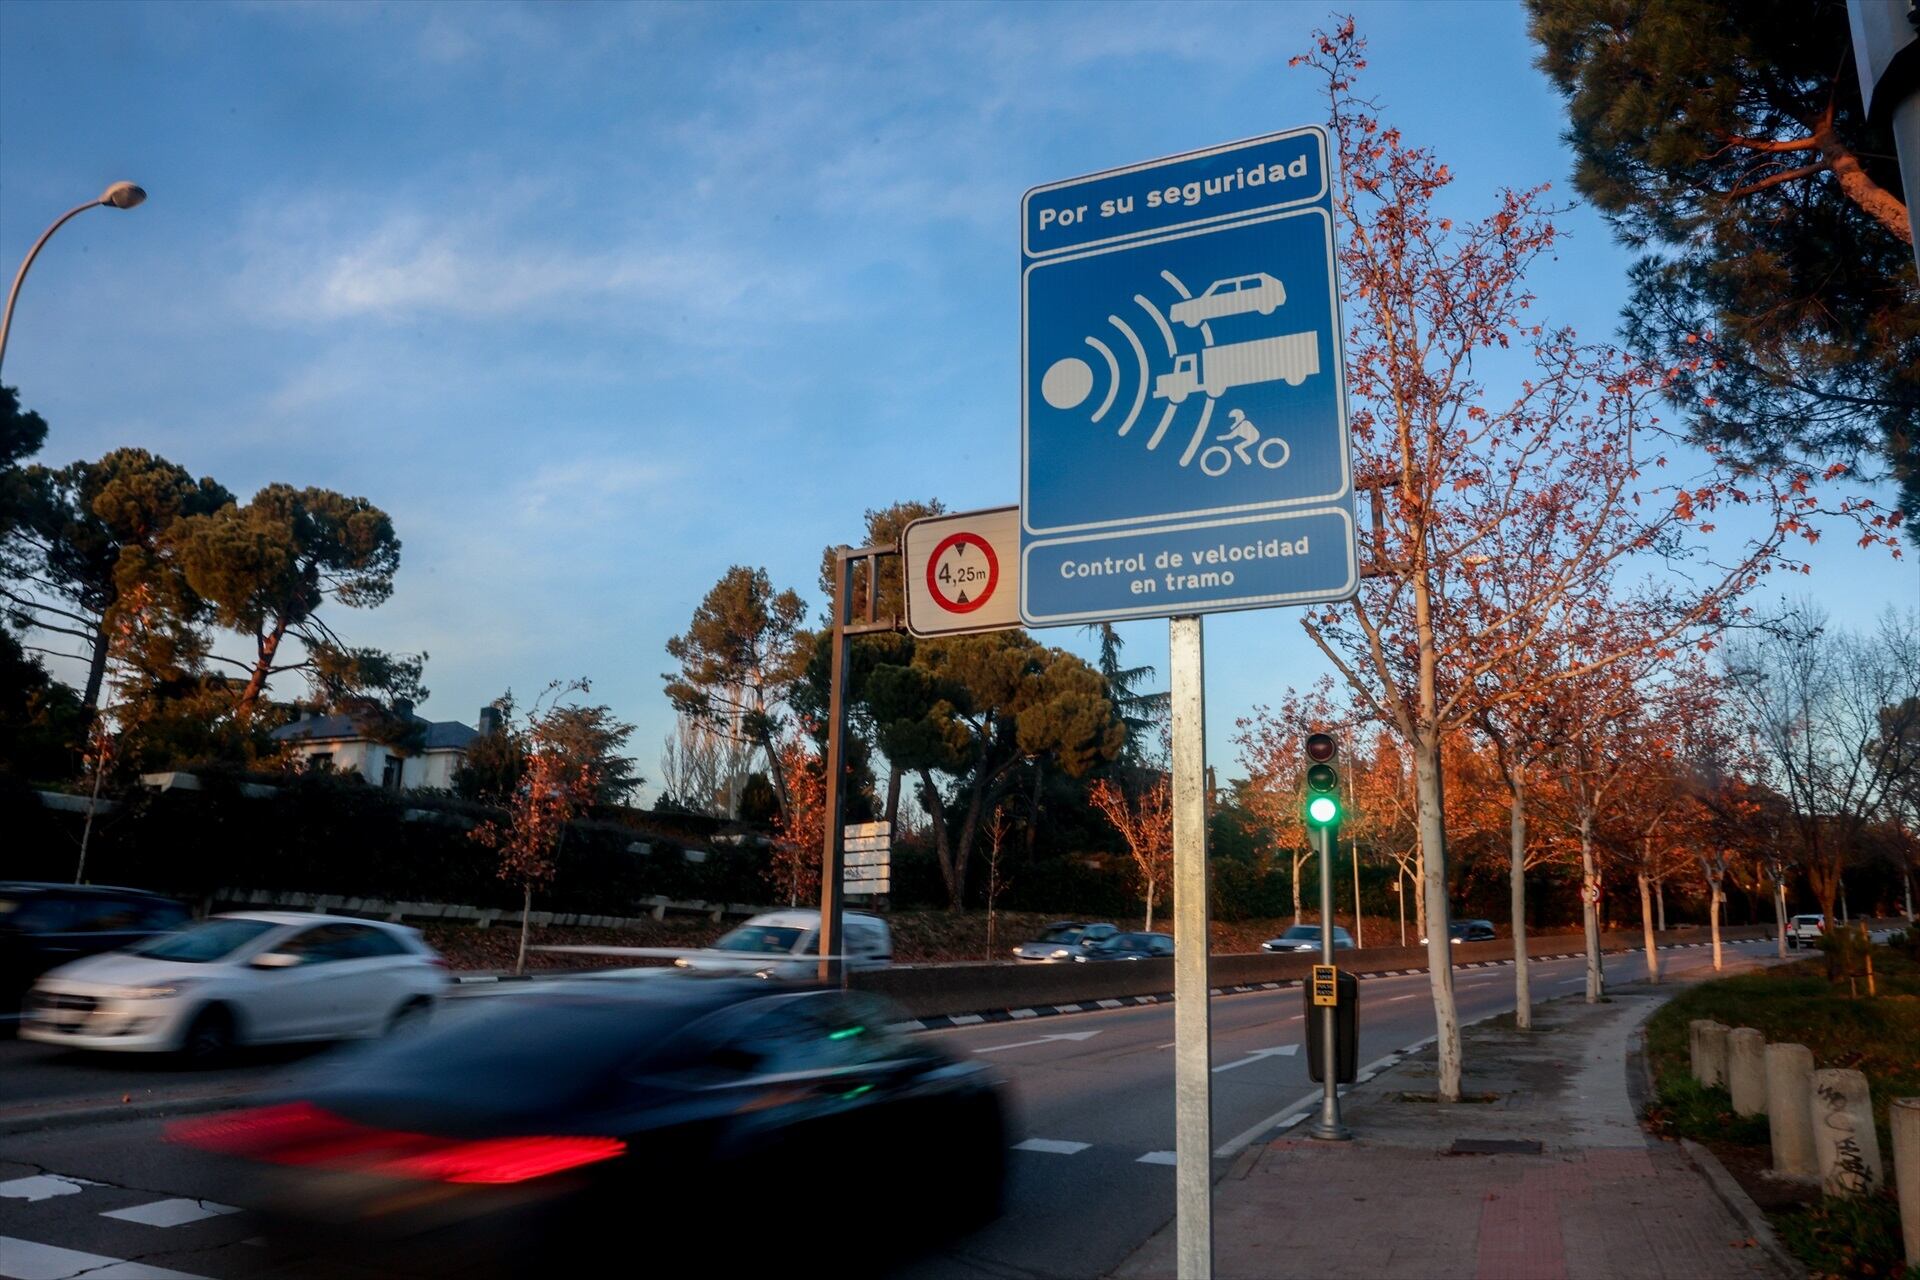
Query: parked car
pixel 544 1121
pixel 1128 946
pixel 1306 937
pixel 1063 940
pixel 1806 930
pixel 46 925
pixel 247 978
pixel 1459 931
pixel 771 946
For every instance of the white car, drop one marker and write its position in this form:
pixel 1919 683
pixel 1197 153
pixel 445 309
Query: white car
pixel 253 978
pixel 1259 292
pixel 786 944
pixel 1806 931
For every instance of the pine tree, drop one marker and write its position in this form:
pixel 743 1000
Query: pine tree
pixel 1139 712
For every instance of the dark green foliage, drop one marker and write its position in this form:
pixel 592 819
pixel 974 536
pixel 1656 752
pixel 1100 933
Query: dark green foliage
pixel 1786 299
pixel 42 723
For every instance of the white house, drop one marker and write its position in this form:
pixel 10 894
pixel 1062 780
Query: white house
pixel 337 741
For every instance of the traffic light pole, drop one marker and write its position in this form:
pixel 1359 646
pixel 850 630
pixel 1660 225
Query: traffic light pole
pixel 1328 1127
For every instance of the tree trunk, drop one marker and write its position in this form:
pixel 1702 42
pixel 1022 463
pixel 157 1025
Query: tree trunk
pixel 1590 909
pixel 1713 916
pixel 892 814
pixel 1033 807
pixel 1869 196
pixel 1660 901
pixel 526 906
pixel 96 675
pixel 1780 915
pixel 257 680
pixel 1420 895
pixel 1517 883
pixel 1646 929
pixel 1298 858
pixel 1433 846
pixel 942 848
pixel 1149 928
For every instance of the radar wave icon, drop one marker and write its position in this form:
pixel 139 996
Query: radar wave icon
pixel 1071 381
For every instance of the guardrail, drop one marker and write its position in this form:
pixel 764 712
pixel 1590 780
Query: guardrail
pixel 396 911
pixel 933 990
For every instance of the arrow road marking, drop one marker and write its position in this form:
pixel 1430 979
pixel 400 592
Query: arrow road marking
pixel 1282 1051
pixel 1021 1044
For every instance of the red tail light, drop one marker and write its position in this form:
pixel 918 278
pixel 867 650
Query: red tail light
pixel 300 1133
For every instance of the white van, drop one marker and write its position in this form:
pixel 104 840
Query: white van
pixel 786 944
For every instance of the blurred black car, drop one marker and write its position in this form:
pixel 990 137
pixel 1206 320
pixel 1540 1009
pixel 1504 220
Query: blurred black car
pixel 45 925
pixel 1306 937
pixel 1130 946
pixel 519 1134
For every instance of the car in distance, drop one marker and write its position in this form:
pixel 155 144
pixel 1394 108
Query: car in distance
pixel 539 1122
pixel 1128 946
pixel 786 944
pixel 1459 931
pixel 1063 940
pixel 1306 937
pixel 43 926
pixel 1806 930
pixel 1258 292
pixel 247 978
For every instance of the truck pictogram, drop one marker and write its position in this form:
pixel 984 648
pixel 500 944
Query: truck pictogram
pixel 1291 357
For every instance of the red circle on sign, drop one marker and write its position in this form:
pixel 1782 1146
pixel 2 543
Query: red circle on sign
pixel 993 573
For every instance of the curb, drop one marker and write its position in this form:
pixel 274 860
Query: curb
pixel 107 1113
pixel 1735 1197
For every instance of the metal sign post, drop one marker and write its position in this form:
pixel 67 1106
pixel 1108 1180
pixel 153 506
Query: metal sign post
pixel 1184 450
pixel 833 856
pixel 1192 1019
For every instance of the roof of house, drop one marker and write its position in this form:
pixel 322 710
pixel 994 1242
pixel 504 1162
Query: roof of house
pixel 440 735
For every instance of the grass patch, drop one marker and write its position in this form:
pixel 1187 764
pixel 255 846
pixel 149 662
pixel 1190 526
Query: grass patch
pixel 1797 1004
pixel 1878 1036
pixel 1846 1238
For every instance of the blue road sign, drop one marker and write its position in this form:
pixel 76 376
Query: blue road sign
pixel 1183 415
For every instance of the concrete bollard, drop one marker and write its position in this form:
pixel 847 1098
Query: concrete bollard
pixel 1790 1110
pixel 1903 1117
pixel 1697 1048
pixel 1843 1134
pixel 1747 1071
pixel 1713 1055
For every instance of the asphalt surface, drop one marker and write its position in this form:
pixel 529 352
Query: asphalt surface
pixel 1091 1176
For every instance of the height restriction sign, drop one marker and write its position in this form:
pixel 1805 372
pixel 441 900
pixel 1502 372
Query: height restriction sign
pixel 963 572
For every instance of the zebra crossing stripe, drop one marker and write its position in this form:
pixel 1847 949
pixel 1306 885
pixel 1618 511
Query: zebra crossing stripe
pixel 25 1260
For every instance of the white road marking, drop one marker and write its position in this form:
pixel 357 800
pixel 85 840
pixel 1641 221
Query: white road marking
pixel 43 1187
pixel 25 1260
pixel 170 1213
pixel 1158 1157
pixel 967 1019
pixel 1282 1051
pixel 1021 1044
pixel 1052 1146
pixel 1397 999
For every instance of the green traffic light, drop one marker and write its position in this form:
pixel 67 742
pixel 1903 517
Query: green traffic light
pixel 1323 810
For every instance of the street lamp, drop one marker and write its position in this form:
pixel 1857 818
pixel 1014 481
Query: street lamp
pixel 121 195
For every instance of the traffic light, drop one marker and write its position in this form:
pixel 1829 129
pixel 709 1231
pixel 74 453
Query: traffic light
pixel 1323 781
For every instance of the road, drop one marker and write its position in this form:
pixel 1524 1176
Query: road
pixel 1091 1172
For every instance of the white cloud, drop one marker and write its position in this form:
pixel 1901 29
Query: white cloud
pixel 589 488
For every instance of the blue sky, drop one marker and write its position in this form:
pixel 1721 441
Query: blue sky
pixel 597 300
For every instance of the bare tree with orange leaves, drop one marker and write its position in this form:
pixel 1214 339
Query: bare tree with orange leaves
pixel 1144 820
pixel 556 784
pixel 1556 482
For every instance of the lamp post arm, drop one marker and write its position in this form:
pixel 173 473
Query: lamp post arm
pixel 13 294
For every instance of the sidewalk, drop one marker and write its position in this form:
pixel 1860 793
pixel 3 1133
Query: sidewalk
pixel 1595 1200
